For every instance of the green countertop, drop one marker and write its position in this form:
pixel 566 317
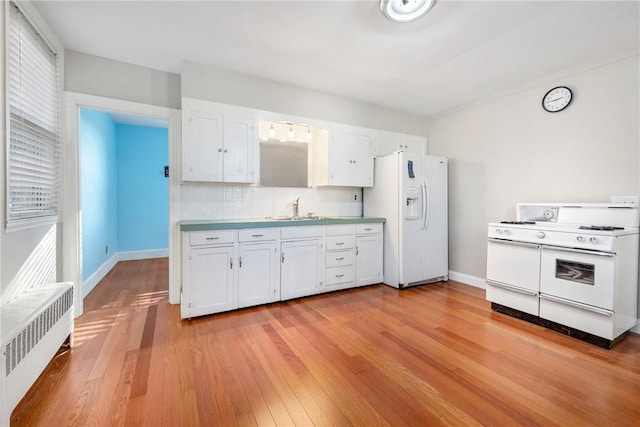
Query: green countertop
pixel 227 224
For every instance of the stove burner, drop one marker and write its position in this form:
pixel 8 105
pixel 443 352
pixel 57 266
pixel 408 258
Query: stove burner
pixel 600 227
pixel 517 222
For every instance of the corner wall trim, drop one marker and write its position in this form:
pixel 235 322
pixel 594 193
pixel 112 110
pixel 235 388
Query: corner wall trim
pixel 467 279
pixel 100 273
pixel 152 253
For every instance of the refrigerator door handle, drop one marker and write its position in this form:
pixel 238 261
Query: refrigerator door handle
pixel 425 204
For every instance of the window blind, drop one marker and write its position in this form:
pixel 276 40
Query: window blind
pixel 33 178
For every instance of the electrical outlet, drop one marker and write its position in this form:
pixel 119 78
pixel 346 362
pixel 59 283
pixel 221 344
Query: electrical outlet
pixel 356 196
pixel 629 200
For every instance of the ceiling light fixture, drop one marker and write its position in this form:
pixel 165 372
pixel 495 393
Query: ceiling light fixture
pixel 405 10
pixel 272 131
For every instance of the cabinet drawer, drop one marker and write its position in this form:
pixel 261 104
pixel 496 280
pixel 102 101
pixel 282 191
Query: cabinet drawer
pixel 339 275
pixel 340 242
pixel 339 258
pixel 301 232
pixel 340 230
pixel 371 228
pixel 258 234
pixel 202 238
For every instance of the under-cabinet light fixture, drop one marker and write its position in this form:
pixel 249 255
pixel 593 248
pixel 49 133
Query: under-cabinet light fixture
pixel 291 134
pixel 308 132
pixel 272 131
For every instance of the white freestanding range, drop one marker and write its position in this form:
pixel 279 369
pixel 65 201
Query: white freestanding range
pixel 410 191
pixel 570 267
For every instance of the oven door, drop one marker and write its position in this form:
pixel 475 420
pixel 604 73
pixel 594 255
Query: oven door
pixel 585 277
pixel 513 275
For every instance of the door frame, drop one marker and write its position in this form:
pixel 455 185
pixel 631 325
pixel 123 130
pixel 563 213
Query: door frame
pixel 71 216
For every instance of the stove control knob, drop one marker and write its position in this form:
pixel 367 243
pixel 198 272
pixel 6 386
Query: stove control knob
pixel 507 231
pixel 540 235
pixel 593 239
pixel 580 238
pixel 498 230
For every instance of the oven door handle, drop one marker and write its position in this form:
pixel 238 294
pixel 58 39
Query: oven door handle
pixel 511 242
pixel 577 305
pixel 579 251
pixel 512 288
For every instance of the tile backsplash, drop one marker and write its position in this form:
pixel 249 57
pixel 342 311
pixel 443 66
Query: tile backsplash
pixel 211 201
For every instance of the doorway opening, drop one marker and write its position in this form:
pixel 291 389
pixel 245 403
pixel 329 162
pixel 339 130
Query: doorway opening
pixel 123 175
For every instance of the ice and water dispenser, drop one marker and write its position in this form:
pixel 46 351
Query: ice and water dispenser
pixel 411 196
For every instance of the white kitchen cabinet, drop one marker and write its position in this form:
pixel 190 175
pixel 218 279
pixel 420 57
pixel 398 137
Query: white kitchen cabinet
pixel 342 159
pixel 368 259
pixel 217 145
pixel 387 143
pixel 340 258
pixel 258 274
pixel 301 268
pixel 209 278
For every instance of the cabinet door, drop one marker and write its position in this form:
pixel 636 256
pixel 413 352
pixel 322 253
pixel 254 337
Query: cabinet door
pixel 202 151
pixel 368 259
pixel 209 288
pixel 414 145
pixel 301 268
pixel 350 160
pixel 239 147
pixel 340 158
pixel 258 274
pixel 362 166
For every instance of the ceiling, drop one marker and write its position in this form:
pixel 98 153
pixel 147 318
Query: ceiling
pixel 461 53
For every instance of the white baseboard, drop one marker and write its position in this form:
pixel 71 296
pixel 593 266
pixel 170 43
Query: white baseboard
pixel 467 279
pixel 133 255
pixel 100 273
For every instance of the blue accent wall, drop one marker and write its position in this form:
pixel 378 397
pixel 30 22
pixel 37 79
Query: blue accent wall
pixel 124 196
pixel 143 190
pixel 98 189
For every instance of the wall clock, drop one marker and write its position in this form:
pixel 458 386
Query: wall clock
pixel 557 99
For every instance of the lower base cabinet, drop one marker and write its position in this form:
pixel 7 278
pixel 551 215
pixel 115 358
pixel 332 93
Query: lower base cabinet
pixel 301 269
pixel 258 274
pixel 208 292
pixel 228 269
pixel 368 259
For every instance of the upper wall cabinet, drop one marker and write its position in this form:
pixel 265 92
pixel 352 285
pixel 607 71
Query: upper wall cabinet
pixel 386 143
pixel 219 143
pixel 342 158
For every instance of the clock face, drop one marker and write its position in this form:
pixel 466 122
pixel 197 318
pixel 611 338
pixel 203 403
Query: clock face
pixel 557 99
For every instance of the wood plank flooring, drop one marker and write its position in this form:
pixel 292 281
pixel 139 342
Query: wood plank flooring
pixel 374 356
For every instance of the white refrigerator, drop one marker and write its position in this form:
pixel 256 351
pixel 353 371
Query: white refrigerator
pixel 410 191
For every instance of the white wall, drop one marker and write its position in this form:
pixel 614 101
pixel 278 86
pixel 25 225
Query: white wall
pixel 511 150
pixel 93 75
pixel 214 84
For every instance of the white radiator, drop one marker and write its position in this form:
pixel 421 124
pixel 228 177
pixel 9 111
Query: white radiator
pixel 34 326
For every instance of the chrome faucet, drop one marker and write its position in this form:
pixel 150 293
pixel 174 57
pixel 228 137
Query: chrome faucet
pixel 296 203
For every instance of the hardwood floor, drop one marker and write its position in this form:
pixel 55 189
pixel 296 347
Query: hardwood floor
pixel 430 355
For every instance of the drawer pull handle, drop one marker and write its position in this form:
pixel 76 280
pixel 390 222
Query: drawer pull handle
pixel 339 243
pixel 340 259
pixel 368 229
pixel 257 235
pixel 339 275
pixel 212 238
